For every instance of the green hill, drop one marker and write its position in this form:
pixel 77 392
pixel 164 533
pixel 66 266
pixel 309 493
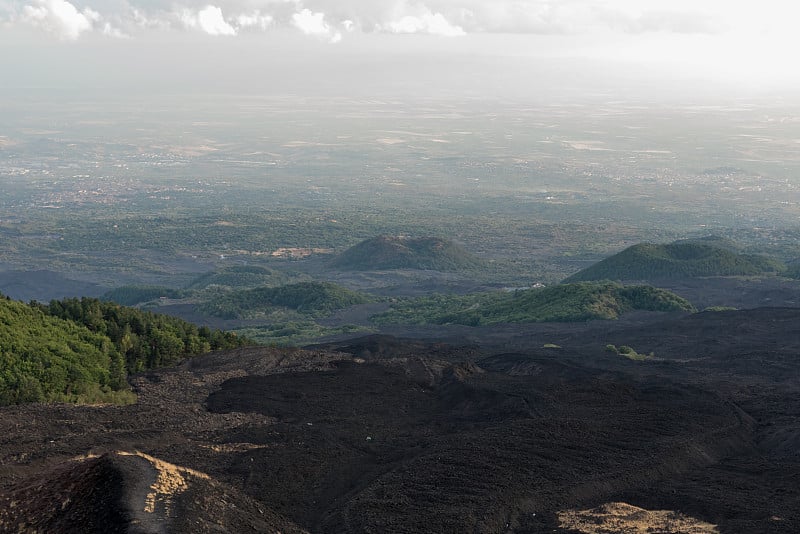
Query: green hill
pixel 307 298
pixel 234 277
pixel 400 252
pixel 241 276
pixel 563 303
pixel 676 260
pixel 80 350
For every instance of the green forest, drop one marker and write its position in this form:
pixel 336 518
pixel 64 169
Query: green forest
pixel 564 303
pixel 314 299
pixel 81 350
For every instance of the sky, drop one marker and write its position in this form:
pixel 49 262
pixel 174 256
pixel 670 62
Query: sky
pixel 470 47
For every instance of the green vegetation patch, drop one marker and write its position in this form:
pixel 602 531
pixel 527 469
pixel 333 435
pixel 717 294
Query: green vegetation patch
pixel 81 350
pixel 241 276
pixel 145 340
pixel 314 299
pixel 401 252
pixel 677 260
pixel 45 358
pixel 627 352
pixel 563 303
pixel 720 309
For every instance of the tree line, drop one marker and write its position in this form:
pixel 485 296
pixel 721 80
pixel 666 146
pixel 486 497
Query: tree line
pixel 81 350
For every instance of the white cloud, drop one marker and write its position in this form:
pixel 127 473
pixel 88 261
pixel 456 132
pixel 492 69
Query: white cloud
pixel 211 21
pixel 332 21
pixel 432 23
pixel 328 20
pixel 60 18
pixel 311 23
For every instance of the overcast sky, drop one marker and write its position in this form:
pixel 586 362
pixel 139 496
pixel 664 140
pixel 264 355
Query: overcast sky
pixel 359 45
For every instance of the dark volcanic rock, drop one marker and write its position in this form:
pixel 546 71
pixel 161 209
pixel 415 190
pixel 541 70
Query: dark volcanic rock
pixel 131 493
pixel 471 451
pixel 380 434
pixel 83 496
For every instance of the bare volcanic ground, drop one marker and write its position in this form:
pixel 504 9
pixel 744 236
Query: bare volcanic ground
pixel 386 435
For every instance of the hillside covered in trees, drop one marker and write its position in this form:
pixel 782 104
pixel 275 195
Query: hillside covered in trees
pixel 241 276
pixel 676 260
pixel 563 303
pixel 314 299
pixel 80 350
pixel 208 284
pixel 401 252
